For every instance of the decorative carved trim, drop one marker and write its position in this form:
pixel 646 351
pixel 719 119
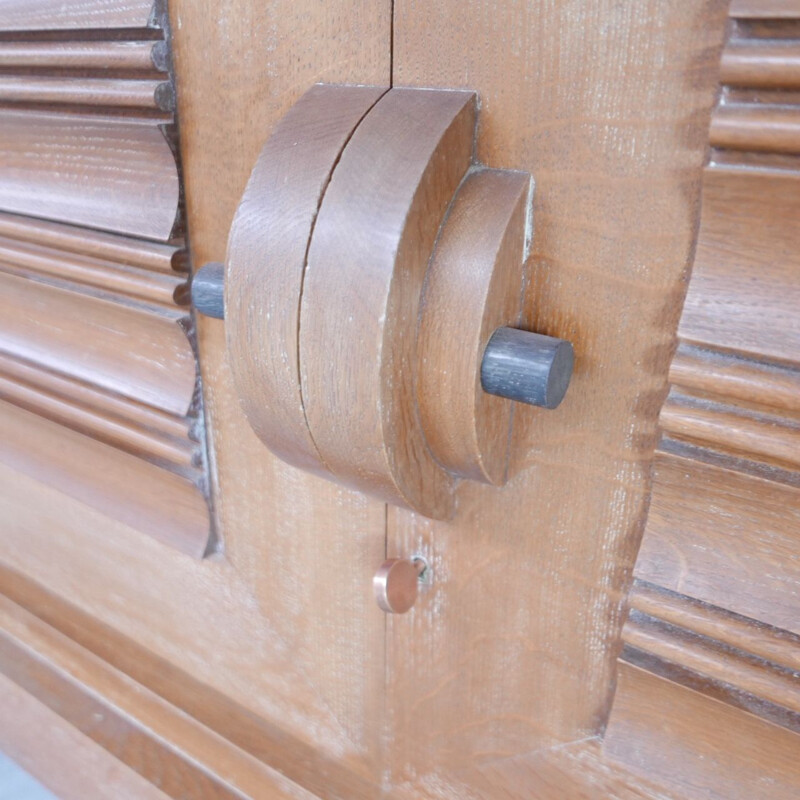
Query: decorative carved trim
pixel 711 647
pixel 98 375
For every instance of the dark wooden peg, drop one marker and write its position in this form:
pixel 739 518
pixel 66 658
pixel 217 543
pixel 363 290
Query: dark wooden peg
pixel 207 290
pixel 527 367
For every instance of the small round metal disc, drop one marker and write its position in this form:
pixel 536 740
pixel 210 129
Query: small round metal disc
pixel 396 584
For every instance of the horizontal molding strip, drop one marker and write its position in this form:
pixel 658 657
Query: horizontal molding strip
pixel 718 375
pixel 136 429
pixel 30 15
pixel 118 176
pixel 109 277
pixel 142 253
pixel 760 128
pixel 147 498
pixel 152 95
pixel 726 428
pixel 147 56
pixel 715 669
pixel 124 350
pixel 152 737
pixel 743 633
pixel 756 64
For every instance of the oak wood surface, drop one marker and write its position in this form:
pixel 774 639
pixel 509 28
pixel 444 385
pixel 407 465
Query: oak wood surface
pixel 275 642
pixel 473 286
pixel 128 720
pixel 708 676
pixel 616 152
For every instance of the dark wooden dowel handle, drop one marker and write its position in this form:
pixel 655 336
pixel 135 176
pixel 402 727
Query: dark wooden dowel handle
pixel 520 365
pixel 527 367
pixel 207 290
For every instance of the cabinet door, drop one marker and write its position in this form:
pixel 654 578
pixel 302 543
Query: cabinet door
pixel 179 597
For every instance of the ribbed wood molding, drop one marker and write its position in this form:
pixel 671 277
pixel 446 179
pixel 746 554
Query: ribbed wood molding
pixel 713 632
pixel 99 385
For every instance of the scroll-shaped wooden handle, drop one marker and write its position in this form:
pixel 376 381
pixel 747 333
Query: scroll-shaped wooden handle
pixel 372 292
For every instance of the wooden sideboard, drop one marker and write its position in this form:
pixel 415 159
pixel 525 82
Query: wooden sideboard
pixel 185 615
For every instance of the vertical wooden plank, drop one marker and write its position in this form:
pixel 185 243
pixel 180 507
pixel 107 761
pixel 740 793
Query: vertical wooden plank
pixel 608 105
pixel 306 548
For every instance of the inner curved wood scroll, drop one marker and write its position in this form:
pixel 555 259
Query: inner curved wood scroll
pixel 328 258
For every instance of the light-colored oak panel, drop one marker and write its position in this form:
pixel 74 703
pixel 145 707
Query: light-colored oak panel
pixel 129 721
pixel 61 758
pixel 168 506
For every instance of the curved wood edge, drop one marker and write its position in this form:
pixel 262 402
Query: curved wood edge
pixel 114 175
pixel 380 217
pixel 169 507
pixel 474 285
pixel 126 350
pixel 265 271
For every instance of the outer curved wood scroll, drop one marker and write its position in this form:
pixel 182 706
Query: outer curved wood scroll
pixel 360 199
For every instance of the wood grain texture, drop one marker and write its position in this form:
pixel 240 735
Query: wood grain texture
pixel 382 222
pixel 745 286
pixel 765 9
pixel 60 757
pixel 28 15
pixel 772 129
pixel 761 64
pixel 766 642
pixel 92 337
pixel 125 250
pixel 108 174
pixel 104 92
pixel 724 753
pixel 266 263
pixel 108 278
pixel 513 647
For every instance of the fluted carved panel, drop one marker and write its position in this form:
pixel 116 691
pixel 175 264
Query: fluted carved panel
pixel 712 640
pixel 99 386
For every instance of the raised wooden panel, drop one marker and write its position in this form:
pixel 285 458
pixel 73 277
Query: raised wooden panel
pixel 512 649
pixel 745 287
pixel 98 373
pixel 709 696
